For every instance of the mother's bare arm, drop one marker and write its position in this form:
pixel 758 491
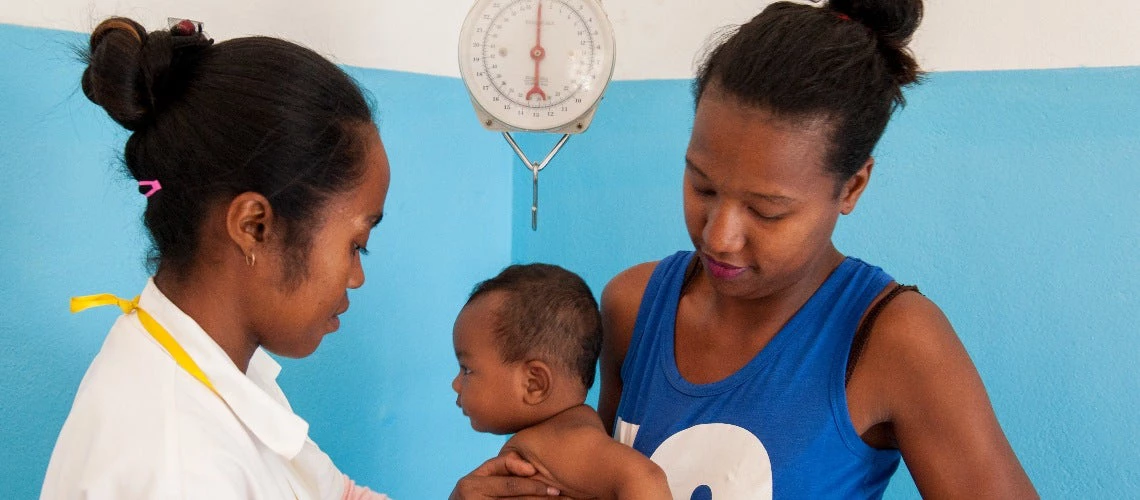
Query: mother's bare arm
pixel 916 376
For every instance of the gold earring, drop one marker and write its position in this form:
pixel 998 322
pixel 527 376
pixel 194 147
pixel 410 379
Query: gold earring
pixel 250 259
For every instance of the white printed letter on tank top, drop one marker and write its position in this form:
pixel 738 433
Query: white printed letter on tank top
pixel 711 462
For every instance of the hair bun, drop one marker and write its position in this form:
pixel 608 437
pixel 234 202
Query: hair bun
pixel 894 23
pixel 129 70
pixel 113 75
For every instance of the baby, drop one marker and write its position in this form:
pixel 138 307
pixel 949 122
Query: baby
pixel 527 343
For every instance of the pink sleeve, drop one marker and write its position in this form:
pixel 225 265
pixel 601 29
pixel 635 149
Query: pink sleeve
pixel 354 492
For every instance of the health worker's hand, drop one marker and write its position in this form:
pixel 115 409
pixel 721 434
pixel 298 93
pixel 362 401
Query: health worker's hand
pixel 506 476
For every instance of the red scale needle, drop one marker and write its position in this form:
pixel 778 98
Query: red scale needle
pixel 538 54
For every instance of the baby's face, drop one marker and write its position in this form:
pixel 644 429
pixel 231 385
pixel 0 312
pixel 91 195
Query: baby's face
pixel 490 391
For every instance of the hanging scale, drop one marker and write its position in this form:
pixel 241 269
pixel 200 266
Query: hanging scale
pixel 536 66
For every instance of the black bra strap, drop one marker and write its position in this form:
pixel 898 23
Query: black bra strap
pixel 864 331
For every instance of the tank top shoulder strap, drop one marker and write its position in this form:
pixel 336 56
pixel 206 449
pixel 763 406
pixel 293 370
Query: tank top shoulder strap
pixel 842 301
pixel 658 304
pixel 667 279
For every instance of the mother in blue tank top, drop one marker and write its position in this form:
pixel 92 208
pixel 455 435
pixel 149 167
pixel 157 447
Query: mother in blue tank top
pixel 765 363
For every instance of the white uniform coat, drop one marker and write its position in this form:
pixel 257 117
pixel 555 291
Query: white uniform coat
pixel 142 427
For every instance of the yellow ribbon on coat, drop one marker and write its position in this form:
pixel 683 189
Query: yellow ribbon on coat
pixel 156 330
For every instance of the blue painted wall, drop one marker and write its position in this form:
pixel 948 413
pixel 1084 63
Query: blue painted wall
pixel 377 393
pixel 1008 196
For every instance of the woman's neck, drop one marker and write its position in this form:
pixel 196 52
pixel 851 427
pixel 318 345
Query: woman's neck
pixel 211 303
pixel 772 311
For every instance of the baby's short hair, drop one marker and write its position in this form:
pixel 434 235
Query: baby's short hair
pixel 547 313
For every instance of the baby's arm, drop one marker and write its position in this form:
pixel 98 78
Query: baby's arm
pixel 574 451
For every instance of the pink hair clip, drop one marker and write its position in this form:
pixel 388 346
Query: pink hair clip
pixel 154 186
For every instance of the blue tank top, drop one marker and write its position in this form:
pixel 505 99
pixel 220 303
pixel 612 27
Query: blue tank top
pixel 778 427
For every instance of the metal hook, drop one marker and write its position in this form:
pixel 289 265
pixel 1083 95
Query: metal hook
pixel 534 168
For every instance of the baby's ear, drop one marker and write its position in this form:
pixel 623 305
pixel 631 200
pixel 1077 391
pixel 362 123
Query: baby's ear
pixel 538 380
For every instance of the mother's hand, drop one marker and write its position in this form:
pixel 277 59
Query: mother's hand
pixel 505 476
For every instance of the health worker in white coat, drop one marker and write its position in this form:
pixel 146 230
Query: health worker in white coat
pixel 264 176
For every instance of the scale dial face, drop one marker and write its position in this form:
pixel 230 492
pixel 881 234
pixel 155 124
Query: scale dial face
pixel 536 65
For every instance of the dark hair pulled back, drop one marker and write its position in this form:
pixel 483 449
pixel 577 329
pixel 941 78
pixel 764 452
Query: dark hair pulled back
pixel 211 121
pixel 845 62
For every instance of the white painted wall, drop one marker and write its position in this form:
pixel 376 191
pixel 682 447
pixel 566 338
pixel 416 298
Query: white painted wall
pixel 656 38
